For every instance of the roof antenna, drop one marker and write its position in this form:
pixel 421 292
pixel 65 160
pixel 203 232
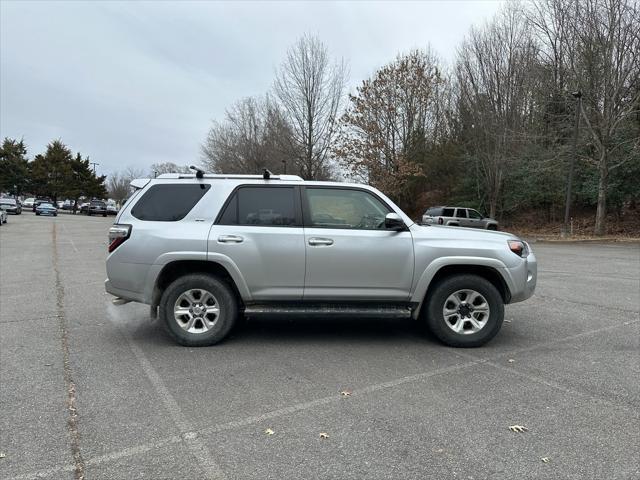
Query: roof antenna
pixel 266 174
pixel 199 173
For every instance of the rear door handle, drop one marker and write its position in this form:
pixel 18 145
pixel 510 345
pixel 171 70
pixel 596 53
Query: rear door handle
pixel 230 239
pixel 317 242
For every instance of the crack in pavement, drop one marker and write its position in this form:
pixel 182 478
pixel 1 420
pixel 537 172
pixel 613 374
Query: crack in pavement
pixel 72 422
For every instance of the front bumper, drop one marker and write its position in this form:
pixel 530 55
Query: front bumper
pixel 524 279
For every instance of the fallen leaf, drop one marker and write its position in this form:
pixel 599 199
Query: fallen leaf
pixel 48 364
pixel 324 435
pixel 345 393
pixel 268 431
pixel 507 321
pixel 518 428
pixel 511 360
pixel 2 455
pixel 545 459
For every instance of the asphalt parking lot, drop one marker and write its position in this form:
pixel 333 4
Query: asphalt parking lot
pixel 91 390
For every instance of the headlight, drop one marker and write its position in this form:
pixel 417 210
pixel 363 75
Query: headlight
pixel 518 247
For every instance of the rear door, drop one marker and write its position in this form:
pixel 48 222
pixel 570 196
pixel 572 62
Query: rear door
pixel 350 253
pixel 260 230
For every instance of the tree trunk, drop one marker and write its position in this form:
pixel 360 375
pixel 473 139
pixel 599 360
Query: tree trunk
pixel 601 212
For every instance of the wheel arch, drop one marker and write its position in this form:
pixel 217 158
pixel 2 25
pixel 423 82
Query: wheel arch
pixel 178 268
pixel 430 279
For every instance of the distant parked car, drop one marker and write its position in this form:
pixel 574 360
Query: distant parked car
pixel 458 217
pixel 3 216
pixel 46 208
pixel 67 205
pixel 41 200
pixel 97 207
pixel 112 210
pixel 28 203
pixel 10 205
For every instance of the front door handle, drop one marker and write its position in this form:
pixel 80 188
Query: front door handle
pixel 230 239
pixel 316 242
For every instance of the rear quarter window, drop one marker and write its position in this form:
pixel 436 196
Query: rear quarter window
pixel 168 202
pixel 447 212
pixel 434 212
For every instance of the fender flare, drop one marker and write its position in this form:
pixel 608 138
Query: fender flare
pixel 166 258
pixel 420 290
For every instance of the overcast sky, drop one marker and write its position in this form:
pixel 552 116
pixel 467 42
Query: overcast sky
pixel 131 84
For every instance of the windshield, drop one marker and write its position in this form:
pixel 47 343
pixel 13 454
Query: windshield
pixel 7 201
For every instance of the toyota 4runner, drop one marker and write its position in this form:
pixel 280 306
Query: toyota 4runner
pixel 204 250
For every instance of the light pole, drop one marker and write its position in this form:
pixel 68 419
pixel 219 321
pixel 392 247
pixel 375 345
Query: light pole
pixel 94 167
pixel 284 164
pixel 567 206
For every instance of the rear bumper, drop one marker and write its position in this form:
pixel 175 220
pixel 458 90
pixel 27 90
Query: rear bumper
pixel 121 293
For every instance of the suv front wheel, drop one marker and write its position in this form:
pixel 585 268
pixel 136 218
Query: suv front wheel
pixel 198 310
pixel 465 311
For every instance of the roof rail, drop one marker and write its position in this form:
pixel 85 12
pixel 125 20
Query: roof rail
pixel 222 176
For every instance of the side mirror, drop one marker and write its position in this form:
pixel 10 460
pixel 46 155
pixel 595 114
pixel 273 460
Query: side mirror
pixel 393 221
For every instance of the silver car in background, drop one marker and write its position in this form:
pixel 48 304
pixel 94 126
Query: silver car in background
pixel 458 217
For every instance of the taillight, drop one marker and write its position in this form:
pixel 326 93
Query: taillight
pixel 518 247
pixel 117 235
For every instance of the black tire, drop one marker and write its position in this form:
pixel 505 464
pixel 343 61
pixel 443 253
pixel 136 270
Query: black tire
pixel 37 213
pixel 104 214
pixel 492 227
pixel 448 286
pixel 226 300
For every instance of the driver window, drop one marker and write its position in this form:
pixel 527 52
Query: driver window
pixel 475 215
pixel 345 208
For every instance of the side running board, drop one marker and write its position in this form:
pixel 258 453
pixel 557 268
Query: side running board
pixel 365 311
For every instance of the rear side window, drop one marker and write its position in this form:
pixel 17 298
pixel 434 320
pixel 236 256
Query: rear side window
pixel 169 202
pixel 434 212
pixel 447 212
pixel 261 206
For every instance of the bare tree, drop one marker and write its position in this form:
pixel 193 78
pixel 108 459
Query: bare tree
pixel 118 187
pixel 601 41
pixel 310 89
pixel 167 167
pixel 131 173
pixel 495 73
pixel 253 136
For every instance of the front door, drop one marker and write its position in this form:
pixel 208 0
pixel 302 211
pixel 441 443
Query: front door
pixel 350 253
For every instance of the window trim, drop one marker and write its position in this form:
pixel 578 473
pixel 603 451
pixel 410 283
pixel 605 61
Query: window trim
pixel 306 209
pixel 232 196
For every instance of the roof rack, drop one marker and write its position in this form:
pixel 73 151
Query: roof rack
pixel 222 176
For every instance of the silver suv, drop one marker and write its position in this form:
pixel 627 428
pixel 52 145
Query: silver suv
pixel 205 250
pixel 458 217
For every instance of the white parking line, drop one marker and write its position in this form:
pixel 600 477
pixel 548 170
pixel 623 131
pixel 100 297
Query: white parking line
pixel 191 439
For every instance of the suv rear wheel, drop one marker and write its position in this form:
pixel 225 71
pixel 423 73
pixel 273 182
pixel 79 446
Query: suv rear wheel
pixel 198 310
pixel 465 311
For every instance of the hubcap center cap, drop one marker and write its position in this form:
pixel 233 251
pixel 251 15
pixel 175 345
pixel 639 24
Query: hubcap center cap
pixel 198 310
pixel 465 310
